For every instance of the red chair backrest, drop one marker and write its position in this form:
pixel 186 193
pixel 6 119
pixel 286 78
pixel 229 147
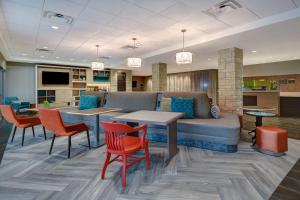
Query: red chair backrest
pixel 8 113
pixel 51 120
pixel 113 133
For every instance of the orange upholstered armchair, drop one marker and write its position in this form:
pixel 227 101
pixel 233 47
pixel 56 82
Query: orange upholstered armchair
pixel 51 120
pixel 123 146
pixel 19 121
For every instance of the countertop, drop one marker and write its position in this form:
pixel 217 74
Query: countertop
pixel 261 91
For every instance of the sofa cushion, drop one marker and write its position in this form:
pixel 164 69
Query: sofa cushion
pixel 224 130
pixel 201 102
pixel 226 126
pixel 100 94
pixel 131 101
pixel 165 104
pixel 184 105
pixel 88 102
pixel 215 111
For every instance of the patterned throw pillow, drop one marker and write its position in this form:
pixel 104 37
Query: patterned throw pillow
pixel 184 105
pixel 165 104
pixel 88 102
pixel 215 112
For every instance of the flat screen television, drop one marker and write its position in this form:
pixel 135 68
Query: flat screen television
pixel 55 78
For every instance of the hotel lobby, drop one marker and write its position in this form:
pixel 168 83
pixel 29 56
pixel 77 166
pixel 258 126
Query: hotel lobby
pixel 149 99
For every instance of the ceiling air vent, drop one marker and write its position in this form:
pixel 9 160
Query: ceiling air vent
pixel 58 17
pixel 223 7
pixel 129 47
pixel 44 50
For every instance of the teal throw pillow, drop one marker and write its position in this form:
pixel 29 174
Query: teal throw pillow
pixel 88 102
pixel 184 105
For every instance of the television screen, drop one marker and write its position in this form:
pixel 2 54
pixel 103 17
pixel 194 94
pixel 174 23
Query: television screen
pixel 55 78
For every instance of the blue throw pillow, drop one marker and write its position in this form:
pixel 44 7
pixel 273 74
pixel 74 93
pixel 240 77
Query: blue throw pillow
pixel 88 102
pixel 184 105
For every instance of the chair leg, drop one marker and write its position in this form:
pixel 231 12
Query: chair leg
pixel 88 138
pixel 106 163
pixel 69 146
pixel 14 132
pixel 147 157
pixel 124 157
pixel 23 135
pixel 53 138
pixel 45 134
pixel 33 131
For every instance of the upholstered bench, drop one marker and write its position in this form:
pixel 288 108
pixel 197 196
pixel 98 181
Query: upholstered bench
pixel 271 140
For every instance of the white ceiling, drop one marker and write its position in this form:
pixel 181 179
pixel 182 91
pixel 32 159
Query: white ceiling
pixel 267 26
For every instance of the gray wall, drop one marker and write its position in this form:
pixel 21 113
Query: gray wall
pixel 276 68
pixel 20 81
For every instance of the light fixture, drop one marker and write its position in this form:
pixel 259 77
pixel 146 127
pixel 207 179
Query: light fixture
pixel 42 56
pixel 184 57
pixel 24 54
pixel 45 47
pixel 97 65
pixel 134 61
pixel 253 51
pixel 57 57
pixel 54 27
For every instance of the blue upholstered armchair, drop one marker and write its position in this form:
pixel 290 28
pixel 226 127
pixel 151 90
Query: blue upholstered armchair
pixel 15 103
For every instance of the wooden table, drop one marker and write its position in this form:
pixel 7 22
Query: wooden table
pixel 168 119
pixel 94 112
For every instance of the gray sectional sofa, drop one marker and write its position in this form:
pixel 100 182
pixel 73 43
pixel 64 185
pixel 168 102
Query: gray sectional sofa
pixel 203 131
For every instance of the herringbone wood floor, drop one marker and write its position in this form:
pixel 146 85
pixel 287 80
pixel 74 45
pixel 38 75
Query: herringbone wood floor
pixel 30 173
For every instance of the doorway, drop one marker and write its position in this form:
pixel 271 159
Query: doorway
pixel 121 81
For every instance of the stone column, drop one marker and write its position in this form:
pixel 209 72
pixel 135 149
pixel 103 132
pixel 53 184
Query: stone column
pixel 159 77
pixel 114 80
pixel 230 79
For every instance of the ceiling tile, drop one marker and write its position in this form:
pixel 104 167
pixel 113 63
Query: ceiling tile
pixel 20 14
pixel 96 16
pixel 63 7
pixel 110 6
pixel 154 5
pixel 31 3
pixel 177 12
pixel 133 12
pixel 269 7
pixel 237 17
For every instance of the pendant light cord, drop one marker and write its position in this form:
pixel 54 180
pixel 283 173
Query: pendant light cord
pixel 183 41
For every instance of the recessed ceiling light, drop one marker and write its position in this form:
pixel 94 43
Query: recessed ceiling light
pixel 278 59
pixel 253 51
pixel 296 57
pixel 24 54
pixel 208 59
pixel 138 44
pixel 57 57
pixel 42 56
pixel 55 27
pixel 45 47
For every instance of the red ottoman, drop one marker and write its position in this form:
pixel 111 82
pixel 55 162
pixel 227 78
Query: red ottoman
pixel 271 140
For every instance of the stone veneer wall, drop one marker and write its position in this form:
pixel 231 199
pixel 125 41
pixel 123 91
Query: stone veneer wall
pixel 159 77
pixel 230 79
pixel 114 80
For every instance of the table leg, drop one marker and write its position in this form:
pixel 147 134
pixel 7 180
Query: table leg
pixel 96 134
pixel 258 122
pixel 172 141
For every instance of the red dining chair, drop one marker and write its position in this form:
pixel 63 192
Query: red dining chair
pixel 51 120
pixel 123 146
pixel 20 121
